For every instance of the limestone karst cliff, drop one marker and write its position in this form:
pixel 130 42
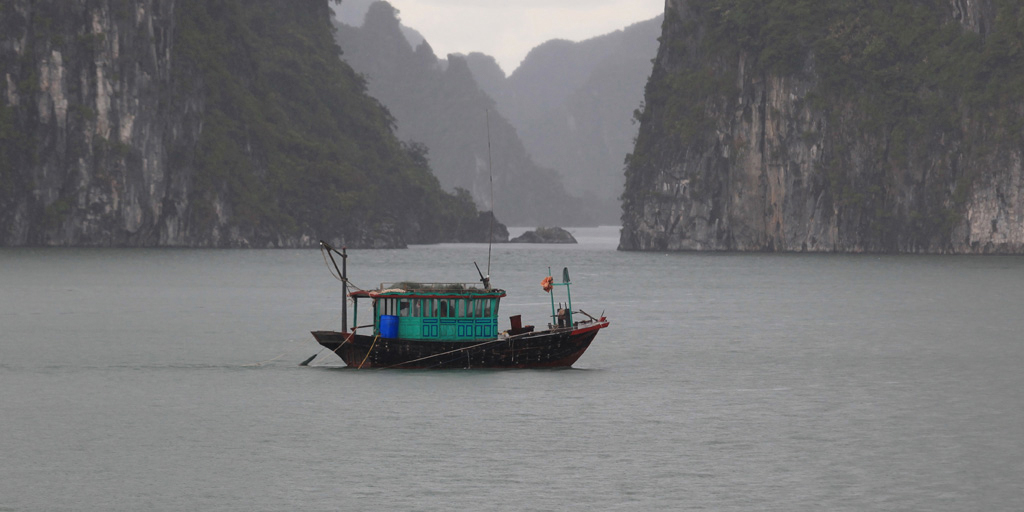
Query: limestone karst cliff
pixel 222 123
pixel 807 125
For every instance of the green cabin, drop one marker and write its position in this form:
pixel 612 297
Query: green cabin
pixel 434 311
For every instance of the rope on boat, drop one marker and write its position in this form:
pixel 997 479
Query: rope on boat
pixel 375 338
pixel 310 360
pixel 335 350
pixel 336 276
pixel 350 336
pixel 442 353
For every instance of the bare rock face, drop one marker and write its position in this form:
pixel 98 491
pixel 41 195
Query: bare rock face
pixel 87 134
pixel 748 146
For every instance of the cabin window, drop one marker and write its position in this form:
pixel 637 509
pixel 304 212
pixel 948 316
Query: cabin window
pixel 487 308
pixel 432 308
pixel 443 309
pixel 403 307
pixel 479 304
pixel 388 306
pixel 466 308
pixel 416 307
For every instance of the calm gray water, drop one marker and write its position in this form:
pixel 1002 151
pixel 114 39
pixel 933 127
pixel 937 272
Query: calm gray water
pixel 169 380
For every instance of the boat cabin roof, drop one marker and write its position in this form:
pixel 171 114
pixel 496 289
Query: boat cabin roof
pixel 429 290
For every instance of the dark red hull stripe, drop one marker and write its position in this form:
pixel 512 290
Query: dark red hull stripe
pixel 545 349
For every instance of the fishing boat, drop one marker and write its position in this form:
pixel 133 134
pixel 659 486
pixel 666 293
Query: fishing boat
pixel 454 325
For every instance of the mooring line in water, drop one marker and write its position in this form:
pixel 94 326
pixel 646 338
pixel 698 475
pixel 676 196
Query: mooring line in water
pixel 261 363
pixel 265 362
pixel 442 353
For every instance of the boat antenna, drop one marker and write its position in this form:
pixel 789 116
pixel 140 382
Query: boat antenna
pixel 490 177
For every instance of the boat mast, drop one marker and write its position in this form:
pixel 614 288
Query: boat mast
pixel 490 177
pixel 344 289
pixel 551 294
pixel 344 278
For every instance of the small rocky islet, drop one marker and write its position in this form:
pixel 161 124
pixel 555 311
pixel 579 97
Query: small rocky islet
pixel 542 235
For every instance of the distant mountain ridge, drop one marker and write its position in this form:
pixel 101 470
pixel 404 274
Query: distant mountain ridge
pixel 439 106
pixel 572 104
pixel 353 13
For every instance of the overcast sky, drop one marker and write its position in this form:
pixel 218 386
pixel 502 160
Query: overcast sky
pixel 508 29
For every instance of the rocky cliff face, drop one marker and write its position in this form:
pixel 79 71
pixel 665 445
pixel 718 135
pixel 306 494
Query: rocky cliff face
pixel 818 126
pixel 85 130
pixel 210 124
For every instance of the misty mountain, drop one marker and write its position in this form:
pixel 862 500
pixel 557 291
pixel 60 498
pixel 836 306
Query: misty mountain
pixel 353 13
pixel 439 106
pixel 203 124
pixel 572 103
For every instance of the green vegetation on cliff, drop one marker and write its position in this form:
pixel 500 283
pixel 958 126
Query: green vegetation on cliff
pixel 202 123
pixel 903 107
pixel 892 59
pixel 907 57
pixel 291 142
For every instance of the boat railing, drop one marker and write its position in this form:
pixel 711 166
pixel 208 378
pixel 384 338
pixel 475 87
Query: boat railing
pixel 430 287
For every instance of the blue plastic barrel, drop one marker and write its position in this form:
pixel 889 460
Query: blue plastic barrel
pixel 388 326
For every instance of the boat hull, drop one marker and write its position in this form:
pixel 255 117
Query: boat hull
pixel 557 348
